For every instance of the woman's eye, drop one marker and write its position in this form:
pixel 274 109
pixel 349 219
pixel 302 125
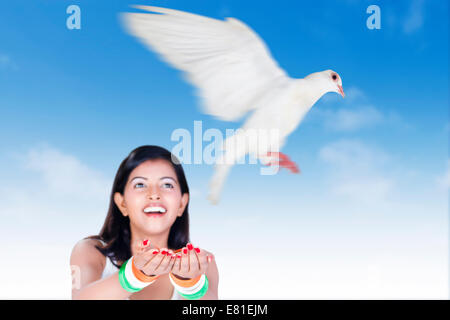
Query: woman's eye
pixel 139 185
pixel 168 185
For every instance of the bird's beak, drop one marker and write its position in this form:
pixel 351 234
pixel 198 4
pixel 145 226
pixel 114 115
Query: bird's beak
pixel 341 91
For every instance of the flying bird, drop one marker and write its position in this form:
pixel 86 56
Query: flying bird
pixel 234 74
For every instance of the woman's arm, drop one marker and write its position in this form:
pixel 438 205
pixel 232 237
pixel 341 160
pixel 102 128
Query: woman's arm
pixel 213 280
pixel 88 264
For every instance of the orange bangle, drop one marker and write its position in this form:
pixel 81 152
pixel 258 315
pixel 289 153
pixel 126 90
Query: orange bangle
pixel 185 283
pixel 140 275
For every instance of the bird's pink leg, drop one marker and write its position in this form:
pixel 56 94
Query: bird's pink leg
pixel 283 161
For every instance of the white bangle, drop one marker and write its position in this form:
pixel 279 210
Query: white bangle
pixel 134 282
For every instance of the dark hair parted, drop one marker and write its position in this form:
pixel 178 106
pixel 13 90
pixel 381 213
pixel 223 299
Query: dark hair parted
pixel 115 232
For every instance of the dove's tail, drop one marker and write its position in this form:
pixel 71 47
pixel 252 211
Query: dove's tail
pixel 221 172
pixel 235 148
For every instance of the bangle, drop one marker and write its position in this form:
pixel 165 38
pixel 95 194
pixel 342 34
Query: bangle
pixel 199 294
pixel 123 280
pixel 195 288
pixel 195 291
pixel 140 275
pixel 192 289
pixel 184 283
pixel 128 279
pixel 132 279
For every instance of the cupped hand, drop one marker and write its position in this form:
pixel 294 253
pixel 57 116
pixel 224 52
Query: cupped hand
pixel 153 261
pixel 191 262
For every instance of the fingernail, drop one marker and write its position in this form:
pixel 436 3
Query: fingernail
pixel 185 251
pixel 144 243
pixel 190 246
pixel 163 252
pixel 170 252
pixel 155 251
pixel 197 250
pixel 178 256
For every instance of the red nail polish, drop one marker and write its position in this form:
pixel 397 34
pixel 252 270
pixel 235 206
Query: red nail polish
pixel 145 242
pixel 185 251
pixel 197 250
pixel 190 246
pixel 163 252
pixel 178 256
pixel 155 251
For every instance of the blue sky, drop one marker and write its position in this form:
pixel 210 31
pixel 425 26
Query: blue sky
pixel 375 163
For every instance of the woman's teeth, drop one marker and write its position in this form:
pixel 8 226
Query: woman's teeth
pixel 155 210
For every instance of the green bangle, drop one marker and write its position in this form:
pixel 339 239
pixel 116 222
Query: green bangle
pixel 199 294
pixel 123 280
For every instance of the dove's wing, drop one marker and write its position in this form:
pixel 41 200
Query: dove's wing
pixel 228 62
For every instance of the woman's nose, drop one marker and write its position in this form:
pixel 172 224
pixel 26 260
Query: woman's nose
pixel 154 194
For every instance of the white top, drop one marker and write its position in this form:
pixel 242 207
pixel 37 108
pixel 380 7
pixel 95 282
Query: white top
pixel 110 269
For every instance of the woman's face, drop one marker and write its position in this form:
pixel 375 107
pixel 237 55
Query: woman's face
pixel 152 197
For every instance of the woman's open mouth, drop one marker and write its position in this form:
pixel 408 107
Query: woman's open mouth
pixel 155 211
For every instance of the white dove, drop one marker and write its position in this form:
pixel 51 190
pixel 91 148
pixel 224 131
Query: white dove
pixel 234 73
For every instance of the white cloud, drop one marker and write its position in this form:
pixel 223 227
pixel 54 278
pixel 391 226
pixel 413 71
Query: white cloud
pixel 6 62
pixel 352 120
pixel 352 153
pixel 415 17
pixel 444 180
pixel 48 185
pixel 349 277
pixel 354 94
pixel 353 113
pixel 356 171
pixel 48 260
pixel 51 201
pixel 334 255
pixel 4 59
pixel 351 94
pixel 64 175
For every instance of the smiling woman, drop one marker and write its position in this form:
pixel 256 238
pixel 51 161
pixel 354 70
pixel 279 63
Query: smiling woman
pixel 143 250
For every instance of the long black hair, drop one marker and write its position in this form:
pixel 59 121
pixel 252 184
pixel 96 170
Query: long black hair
pixel 115 232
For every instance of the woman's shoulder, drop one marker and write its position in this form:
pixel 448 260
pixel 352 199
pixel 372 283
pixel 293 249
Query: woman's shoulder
pixel 86 251
pixel 89 244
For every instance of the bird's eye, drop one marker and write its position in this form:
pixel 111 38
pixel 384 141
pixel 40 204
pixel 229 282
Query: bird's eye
pixel 334 76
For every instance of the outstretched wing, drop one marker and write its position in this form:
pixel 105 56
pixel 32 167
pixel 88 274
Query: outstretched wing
pixel 226 61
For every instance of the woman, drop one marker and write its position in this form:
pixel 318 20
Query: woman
pixel 143 249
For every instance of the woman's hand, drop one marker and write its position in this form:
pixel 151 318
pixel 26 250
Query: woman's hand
pixel 152 261
pixel 190 262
